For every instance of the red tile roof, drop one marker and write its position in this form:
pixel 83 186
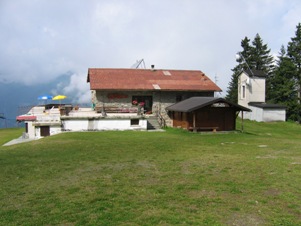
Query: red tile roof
pixel 148 79
pixel 26 118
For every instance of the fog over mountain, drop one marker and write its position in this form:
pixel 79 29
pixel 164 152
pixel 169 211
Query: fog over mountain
pixel 17 98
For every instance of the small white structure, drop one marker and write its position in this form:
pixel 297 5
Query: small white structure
pixel 251 94
pixel 43 121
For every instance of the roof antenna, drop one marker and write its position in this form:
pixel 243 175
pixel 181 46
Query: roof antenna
pixel 139 63
pixel 216 80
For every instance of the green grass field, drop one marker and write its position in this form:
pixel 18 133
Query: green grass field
pixel 154 178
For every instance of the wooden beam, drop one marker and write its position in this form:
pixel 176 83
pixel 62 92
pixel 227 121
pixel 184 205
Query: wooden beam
pixel 242 121
pixel 194 120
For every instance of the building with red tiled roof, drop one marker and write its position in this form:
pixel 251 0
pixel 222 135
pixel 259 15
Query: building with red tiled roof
pixel 155 89
pixel 150 80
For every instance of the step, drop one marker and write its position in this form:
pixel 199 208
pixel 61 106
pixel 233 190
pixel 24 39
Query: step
pixel 152 123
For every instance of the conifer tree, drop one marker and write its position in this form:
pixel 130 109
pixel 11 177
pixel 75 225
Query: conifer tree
pixel 262 60
pixel 232 86
pixel 294 53
pixel 260 56
pixel 283 86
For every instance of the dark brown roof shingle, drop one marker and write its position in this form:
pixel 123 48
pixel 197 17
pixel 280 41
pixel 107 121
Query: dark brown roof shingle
pixel 195 103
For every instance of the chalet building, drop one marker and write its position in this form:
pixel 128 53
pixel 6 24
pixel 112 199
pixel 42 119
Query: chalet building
pixel 251 94
pixel 122 99
pixel 124 90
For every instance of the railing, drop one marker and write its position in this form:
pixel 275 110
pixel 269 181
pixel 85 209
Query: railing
pixel 113 109
pixel 48 118
pixel 161 120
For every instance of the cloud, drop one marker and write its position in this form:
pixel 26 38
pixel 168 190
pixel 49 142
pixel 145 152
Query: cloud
pixel 42 40
pixel 78 89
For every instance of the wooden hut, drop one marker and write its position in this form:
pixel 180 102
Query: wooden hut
pixel 205 113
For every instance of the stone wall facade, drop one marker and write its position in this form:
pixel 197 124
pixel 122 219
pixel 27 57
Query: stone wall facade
pixel 159 100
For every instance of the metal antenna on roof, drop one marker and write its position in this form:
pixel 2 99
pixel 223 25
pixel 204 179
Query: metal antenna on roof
pixel 139 63
pixel 216 80
pixel 240 56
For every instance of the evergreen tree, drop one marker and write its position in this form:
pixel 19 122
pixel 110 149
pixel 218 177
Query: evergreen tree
pixel 260 56
pixel 262 60
pixel 294 53
pixel 232 86
pixel 283 86
pixel 246 53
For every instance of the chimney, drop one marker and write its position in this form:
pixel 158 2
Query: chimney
pixel 152 67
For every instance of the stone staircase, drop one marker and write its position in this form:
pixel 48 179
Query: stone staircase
pixel 152 123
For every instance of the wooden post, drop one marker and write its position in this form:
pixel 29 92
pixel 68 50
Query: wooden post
pixel 194 127
pixel 242 121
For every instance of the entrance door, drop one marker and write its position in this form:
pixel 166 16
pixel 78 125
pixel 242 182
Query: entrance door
pixel 147 100
pixel 44 131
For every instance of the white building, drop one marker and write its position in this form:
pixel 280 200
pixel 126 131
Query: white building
pixel 251 94
pixel 43 121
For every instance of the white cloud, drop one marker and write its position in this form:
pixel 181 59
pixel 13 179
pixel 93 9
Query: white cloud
pixel 76 89
pixel 41 40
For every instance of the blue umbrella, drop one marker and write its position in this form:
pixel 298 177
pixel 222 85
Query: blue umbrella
pixel 45 98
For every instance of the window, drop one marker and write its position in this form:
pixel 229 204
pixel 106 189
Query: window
pixel 243 92
pixel 134 122
pixel 178 98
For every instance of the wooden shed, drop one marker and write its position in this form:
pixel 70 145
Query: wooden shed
pixel 205 113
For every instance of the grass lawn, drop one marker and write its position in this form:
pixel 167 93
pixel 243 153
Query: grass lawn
pixel 154 178
pixel 7 135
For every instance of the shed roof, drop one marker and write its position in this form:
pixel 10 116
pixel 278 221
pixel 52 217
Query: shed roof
pixel 266 105
pixel 149 79
pixel 195 103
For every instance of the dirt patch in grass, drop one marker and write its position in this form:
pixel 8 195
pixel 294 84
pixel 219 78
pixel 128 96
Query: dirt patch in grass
pixel 267 157
pixel 195 194
pixel 262 146
pixel 272 192
pixel 238 219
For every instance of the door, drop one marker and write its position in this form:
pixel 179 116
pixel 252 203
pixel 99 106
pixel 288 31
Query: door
pixel 146 100
pixel 44 131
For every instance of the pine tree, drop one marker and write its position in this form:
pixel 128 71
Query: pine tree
pixel 232 86
pixel 262 60
pixel 283 86
pixel 246 53
pixel 260 56
pixel 294 53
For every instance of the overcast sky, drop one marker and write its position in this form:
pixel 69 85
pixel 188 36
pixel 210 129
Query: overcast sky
pixel 41 40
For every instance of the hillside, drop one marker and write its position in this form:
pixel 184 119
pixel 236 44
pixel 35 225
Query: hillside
pixel 159 178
